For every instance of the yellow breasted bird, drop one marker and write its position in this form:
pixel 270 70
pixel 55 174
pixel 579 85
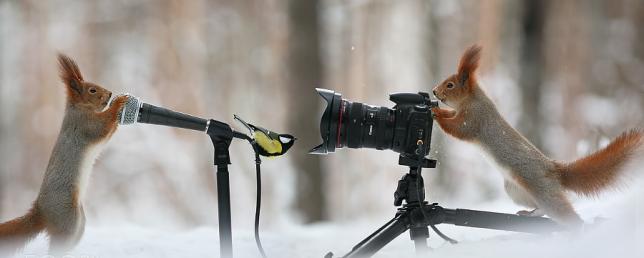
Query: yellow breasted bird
pixel 270 144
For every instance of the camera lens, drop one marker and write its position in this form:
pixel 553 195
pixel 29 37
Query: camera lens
pixel 354 125
pixel 365 126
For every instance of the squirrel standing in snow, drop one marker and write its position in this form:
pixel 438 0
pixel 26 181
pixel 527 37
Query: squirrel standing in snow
pixel 531 179
pixel 87 126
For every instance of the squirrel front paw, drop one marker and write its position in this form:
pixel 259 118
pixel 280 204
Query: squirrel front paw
pixel 116 105
pixel 442 113
pixel 435 112
pixel 119 102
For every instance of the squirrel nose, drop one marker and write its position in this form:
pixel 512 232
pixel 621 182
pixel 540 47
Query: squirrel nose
pixel 434 91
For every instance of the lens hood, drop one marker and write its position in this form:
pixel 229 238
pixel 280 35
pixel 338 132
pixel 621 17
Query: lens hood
pixel 329 122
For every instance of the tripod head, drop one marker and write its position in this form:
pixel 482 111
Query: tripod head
pixel 411 187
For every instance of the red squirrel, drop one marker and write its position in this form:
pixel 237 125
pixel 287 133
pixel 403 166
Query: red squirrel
pixel 86 127
pixel 531 179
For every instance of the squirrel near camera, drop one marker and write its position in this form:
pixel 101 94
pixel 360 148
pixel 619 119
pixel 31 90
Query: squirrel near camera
pixel 532 179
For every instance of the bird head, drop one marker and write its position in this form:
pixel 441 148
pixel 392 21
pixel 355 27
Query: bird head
pixel 287 141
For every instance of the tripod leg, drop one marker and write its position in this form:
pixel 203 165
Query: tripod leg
pixel 381 237
pixel 498 221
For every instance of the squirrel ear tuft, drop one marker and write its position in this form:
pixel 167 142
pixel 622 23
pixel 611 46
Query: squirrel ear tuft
pixel 69 73
pixel 469 63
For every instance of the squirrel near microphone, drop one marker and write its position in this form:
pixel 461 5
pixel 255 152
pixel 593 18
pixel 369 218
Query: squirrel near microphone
pixel 86 127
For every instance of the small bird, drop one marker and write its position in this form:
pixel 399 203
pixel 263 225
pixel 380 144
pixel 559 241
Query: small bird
pixel 270 144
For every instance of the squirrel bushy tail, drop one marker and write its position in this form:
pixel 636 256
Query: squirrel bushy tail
pixel 15 233
pixel 602 169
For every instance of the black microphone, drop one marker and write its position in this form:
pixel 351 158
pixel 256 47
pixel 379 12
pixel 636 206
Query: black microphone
pixel 135 111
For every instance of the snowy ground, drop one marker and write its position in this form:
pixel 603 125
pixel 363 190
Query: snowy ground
pixel 622 235
pixel 315 241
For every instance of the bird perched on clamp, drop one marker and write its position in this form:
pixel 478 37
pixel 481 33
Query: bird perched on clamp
pixel 270 144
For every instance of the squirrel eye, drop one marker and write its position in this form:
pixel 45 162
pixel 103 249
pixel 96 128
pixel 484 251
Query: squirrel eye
pixel 92 91
pixel 450 85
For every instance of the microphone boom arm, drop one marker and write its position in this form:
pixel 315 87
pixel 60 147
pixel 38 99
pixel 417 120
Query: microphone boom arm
pixel 151 114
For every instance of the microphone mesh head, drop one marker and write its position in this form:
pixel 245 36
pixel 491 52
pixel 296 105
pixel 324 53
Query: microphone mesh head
pixel 130 112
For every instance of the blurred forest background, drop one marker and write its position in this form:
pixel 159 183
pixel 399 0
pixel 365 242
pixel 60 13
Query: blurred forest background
pixel 568 74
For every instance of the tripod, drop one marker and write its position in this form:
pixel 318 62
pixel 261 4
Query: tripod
pixel 417 214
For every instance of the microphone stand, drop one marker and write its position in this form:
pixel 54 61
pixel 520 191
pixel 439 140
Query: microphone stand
pixel 221 135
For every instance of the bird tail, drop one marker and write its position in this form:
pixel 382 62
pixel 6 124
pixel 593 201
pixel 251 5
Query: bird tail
pixel 14 234
pixel 244 123
pixel 602 169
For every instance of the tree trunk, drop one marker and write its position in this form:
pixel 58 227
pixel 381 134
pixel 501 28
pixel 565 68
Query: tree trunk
pixel 305 69
pixel 531 73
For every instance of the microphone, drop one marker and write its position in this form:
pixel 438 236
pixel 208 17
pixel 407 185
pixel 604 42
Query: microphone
pixel 135 111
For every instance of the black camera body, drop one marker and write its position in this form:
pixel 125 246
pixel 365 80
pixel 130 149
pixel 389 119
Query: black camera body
pixel 356 125
pixel 413 122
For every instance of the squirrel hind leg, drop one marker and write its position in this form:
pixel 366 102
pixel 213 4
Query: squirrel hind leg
pixel 519 195
pixel 550 200
pixel 61 242
pixel 557 207
pixel 66 236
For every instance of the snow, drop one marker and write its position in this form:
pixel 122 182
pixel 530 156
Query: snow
pixel 620 235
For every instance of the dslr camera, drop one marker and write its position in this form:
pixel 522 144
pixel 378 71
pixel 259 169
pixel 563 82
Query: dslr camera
pixel 402 128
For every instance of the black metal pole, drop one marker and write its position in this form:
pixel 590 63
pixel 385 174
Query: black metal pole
pixel 221 135
pixel 223 201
